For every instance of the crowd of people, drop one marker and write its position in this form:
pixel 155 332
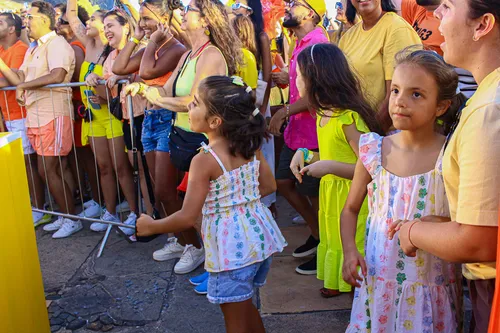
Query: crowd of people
pixel 386 133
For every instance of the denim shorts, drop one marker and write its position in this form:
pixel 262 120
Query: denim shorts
pixel 156 130
pixel 237 285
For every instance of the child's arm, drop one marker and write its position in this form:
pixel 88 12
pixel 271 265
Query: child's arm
pixel 344 170
pixel 348 224
pixel 267 183
pixel 197 191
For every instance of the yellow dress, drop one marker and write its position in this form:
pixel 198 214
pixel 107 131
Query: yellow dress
pixel 333 193
pixel 248 71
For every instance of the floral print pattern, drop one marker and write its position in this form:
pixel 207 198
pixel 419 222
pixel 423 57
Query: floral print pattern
pixel 237 229
pixel 400 293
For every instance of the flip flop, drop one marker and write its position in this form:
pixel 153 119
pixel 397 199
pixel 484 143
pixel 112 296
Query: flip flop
pixel 329 293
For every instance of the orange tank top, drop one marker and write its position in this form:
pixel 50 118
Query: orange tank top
pixel 159 81
pixel 77 96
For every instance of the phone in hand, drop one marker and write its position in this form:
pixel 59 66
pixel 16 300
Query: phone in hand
pixel 90 93
pixel 339 5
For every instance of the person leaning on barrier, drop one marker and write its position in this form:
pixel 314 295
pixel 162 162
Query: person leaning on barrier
pixel 12 52
pixel 49 60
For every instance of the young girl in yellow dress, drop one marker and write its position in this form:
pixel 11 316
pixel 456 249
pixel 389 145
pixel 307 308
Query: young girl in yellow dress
pixel 343 114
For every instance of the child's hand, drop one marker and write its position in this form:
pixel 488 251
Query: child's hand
pixel 318 169
pixel 145 226
pixel 395 227
pixel 350 273
pixel 297 164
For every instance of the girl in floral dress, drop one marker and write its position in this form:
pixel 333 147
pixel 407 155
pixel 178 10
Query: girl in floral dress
pixel 226 182
pixel 402 175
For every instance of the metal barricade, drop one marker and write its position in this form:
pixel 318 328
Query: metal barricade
pixel 64 181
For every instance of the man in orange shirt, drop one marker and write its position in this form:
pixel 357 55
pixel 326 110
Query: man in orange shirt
pixel 49 60
pixel 12 51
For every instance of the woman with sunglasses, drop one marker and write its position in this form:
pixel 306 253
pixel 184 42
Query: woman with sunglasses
pixel 215 51
pixel 371 46
pixel 155 64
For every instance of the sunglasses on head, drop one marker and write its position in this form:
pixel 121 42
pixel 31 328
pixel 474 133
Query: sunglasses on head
pixel 239 5
pixel 190 8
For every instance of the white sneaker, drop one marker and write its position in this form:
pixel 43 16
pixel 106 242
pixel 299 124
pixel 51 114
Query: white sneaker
pixel 131 219
pixel 171 250
pixel 55 225
pixel 123 207
pixel 190 260
pixel 98 227
pixel 91 209
pixel 68 228
pixel 40 218
pixel 298 220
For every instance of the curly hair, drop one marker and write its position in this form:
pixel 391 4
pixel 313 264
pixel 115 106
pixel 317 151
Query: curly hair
pixel 236 107
pixel 243 27
pixel 221 33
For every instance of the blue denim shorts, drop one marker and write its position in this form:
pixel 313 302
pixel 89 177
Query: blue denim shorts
pixel 237 285
pixel 156 130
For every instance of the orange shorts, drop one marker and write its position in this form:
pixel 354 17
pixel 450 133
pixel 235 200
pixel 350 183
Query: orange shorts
pixel 53 139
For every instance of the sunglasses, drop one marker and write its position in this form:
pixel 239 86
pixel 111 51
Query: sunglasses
pixel 62 22
pixel 237 6
pixel 190 8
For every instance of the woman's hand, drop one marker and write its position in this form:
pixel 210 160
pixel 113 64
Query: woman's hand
pixel 341 15
pixel 111 81
pixel 145 226
pixel 161 34
pixel 135 88
pixel 281 77
pixel 404 239
pixel 93 80
pixel 277 122
pixel 297 164
pixel 20 96
pixel 318 169
pixel 138 32
pixel 152 95
pixel 97 99
pixel 353 260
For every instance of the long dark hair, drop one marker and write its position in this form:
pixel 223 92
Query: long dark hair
pixel 331 85
pixel 164 7
pixel 350 13
pixel 445 76
pixel 230 99
pixel 258 25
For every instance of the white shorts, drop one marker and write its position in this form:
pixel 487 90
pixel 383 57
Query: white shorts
pixel 20 126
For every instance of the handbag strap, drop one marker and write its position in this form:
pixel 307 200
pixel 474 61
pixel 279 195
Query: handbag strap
pixel 174 94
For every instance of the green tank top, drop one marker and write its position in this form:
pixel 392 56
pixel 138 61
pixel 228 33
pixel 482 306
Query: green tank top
pixel 185 83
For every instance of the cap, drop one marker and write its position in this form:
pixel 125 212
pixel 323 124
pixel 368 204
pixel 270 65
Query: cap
pixel 319 6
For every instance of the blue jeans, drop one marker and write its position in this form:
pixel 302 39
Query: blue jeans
pixel 237 285
pixel 156 130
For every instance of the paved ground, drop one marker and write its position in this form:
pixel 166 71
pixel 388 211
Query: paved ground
pixel 126 291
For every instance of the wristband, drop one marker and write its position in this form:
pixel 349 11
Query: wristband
pixel 134 40
pixel 305 152
pixel 409 233
pixel 142 87
pixel 310 156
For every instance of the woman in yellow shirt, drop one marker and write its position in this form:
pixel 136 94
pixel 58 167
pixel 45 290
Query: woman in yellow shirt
pixel 370 46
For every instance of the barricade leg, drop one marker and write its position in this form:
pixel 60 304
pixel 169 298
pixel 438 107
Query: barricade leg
pixel 22 301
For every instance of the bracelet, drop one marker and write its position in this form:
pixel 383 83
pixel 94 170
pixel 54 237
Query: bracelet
pixel 142 87
pixel 310 156
pixel 305 153
pixel 134 40
pixel 409 233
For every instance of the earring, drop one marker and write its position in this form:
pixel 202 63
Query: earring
pixel 207 32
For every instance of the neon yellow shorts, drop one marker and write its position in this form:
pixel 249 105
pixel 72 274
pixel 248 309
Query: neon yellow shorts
pixel 101 125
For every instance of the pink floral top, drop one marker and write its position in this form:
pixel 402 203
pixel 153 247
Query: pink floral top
pixel 400 293
pixel 237 230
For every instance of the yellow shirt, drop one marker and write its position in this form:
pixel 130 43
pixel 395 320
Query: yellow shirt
pixel 471 166
pixel 248 71
pixel 371 53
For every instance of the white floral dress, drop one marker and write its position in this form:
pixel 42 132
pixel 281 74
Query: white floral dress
pixel 400 293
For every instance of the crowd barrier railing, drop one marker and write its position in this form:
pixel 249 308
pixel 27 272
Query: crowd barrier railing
pixel 63 166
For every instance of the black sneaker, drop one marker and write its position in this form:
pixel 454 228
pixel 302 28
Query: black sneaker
pixel 308 268
pixel 307 249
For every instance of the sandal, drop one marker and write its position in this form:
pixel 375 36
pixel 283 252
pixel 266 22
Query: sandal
pixel 329 293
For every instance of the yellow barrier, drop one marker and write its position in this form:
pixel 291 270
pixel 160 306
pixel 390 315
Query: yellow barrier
pixel 22 299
